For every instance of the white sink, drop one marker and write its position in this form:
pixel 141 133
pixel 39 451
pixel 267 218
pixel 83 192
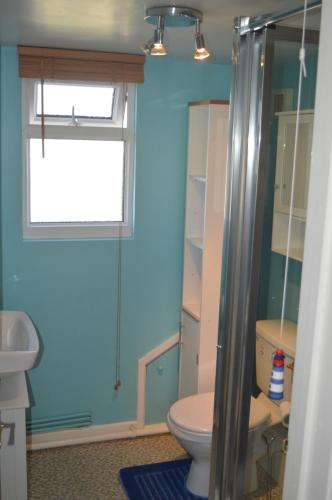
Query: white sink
pixel 19 344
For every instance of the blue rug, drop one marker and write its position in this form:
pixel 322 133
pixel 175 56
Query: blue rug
pixel 161 481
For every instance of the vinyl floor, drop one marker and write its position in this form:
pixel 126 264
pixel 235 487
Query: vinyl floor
pixel 90 471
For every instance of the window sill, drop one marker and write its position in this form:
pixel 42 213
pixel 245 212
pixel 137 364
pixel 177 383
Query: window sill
pixel 75 232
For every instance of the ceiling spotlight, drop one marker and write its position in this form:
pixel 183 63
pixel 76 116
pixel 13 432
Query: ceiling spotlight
pixel 175 17
pixel 158 47
pixel 146 47
pixel 200 51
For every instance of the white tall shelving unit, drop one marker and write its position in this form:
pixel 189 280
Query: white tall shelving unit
pixel 205 201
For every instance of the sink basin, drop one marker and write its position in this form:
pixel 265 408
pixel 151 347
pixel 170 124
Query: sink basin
pixel 19 344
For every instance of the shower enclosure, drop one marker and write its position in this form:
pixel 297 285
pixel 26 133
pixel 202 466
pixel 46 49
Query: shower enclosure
pixel 272 109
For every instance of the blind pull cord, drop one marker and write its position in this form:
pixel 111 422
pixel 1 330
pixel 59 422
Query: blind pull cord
pixel 117 384
pixel 302 74
pixel 42 111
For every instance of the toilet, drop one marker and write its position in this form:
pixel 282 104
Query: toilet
pixel 190 419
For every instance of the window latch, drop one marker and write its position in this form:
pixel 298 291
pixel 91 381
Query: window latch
pixel 74 121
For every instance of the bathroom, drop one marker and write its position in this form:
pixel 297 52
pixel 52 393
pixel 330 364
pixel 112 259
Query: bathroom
pixel 69 287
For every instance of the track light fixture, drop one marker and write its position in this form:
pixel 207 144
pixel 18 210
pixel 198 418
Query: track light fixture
pixel 178 17
pixel 200 51
pixel 158 48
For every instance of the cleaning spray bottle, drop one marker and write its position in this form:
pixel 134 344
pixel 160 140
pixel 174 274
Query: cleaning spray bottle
pixel 276 387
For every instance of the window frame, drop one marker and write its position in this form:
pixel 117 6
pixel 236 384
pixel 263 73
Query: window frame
pixel 89 129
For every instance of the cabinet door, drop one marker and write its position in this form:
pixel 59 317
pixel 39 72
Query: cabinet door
pixel 188 359
pixel 13 467
pixel 285 160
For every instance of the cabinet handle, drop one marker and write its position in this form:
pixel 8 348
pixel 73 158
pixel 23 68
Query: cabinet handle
pixel 291 365
pixel 11 428
pixel 276 186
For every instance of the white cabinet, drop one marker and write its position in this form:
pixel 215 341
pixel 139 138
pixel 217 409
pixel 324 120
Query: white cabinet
pixel 205 200
pixel 189 354
pixel 283 181
pixel 13 471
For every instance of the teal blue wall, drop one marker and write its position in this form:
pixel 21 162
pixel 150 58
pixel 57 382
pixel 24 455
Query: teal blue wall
pixel 276 286
pixel 68 287
pixel 286 75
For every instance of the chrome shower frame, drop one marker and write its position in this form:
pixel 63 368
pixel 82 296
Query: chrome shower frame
pixel 246 185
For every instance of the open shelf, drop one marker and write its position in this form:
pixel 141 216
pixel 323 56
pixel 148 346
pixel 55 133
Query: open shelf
pixel 294 253
pixel 280 235
pixel 206 174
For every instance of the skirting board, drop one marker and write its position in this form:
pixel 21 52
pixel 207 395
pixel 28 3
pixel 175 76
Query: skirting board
pixel 92 434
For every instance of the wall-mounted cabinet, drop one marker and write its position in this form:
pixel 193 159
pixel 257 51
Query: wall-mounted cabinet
pixel 283 181
pixel 205 200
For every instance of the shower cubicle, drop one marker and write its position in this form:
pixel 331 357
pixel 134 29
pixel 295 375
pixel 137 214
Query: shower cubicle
pixel 271 125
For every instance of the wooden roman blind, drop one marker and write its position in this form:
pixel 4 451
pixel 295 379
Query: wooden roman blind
pixel 80 65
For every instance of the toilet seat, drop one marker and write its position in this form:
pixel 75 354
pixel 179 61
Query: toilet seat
pixel 194 414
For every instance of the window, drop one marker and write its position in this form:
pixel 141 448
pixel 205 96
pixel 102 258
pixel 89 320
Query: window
pixel 82 187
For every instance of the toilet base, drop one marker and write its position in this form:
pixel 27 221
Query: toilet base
pixel 198 478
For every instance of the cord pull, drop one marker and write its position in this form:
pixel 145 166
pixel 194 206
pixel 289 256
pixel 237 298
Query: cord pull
pixel 117 385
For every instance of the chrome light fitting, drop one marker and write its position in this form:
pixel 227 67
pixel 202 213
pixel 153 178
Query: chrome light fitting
pixel 176 17
pixel 200 51
pixel 158 48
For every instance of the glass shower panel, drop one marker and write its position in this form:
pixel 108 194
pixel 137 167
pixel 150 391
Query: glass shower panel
pixel 288 141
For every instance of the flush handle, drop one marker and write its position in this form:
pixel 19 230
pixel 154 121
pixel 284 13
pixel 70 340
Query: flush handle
pixel 290 365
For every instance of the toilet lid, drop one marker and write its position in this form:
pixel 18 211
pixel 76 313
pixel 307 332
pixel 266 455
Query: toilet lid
pixel 195 413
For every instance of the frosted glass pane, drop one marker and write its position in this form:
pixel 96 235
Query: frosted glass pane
pixel 89 101
pixel 77 181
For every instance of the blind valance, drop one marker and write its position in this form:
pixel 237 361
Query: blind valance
pixel 80 65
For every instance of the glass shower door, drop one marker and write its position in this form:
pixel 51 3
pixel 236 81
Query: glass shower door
pixel 265 228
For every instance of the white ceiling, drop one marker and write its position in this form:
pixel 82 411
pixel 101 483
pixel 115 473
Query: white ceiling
pixel 118 25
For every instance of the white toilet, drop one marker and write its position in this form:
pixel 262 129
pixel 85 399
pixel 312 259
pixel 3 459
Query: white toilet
pixel 190 419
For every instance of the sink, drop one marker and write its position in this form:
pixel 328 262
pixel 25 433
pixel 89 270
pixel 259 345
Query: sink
pixel 19 344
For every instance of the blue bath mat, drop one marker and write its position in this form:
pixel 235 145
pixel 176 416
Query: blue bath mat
pixel 161 481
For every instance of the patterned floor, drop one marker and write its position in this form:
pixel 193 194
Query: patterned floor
pixel 90 472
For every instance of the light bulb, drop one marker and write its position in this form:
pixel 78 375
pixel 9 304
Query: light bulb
pixel 200 54
pixel 158 49
pixel 200 51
